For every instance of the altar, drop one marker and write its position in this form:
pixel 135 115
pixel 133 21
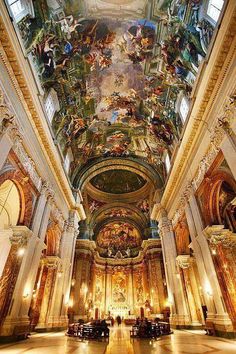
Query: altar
pixel 122 310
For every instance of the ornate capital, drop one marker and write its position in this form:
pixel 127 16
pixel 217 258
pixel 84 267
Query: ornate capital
pixel 183 261
pixel 165 226
pixel 20 235
pixel 217 235
pixel 52 262
pixel 229 112
pixel 27 163
pixel 47 190
pixel 70 224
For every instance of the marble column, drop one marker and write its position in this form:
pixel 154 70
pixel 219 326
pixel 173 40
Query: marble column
pixel 130 289
pixel 23 239
pixel 58 312
pixel 109 288
pixel 179 312
pixel 223 245
pixel 32 257
pixel 153 280
pixel 212 292
pixel 52 263
pixel 184 262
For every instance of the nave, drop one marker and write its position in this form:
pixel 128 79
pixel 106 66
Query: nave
pixel 180 342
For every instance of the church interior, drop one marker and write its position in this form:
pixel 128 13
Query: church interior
pixel 117 176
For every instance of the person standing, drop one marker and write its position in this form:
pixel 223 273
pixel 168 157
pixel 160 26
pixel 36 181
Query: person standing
pixel 118 319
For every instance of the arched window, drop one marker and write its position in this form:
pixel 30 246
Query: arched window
pixel 167 162
pixel 20 8
pixel 214 8
pixel 184 108
pixel 9 204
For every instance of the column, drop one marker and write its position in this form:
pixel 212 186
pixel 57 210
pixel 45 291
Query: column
pixel 109 289
pixel 60 301
pixel 184 262
pixel 130 289
pixel 153 279
pixel 179 313
pixel 212 292
pixel 160 285
pixel 52 263
pixel 31 261
pixel 222 243
pixel 23 244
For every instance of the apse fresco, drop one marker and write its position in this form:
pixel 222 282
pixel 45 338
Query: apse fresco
pixel 143 205
pixel 117 83
pixel 118 181
pixel 119 286
pixel 94 204
pixel 118 212
pixel 118 240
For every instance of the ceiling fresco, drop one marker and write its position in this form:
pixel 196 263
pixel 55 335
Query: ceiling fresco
pixel 118 181
pixel 116 82
pixel 118 240
pixel 116 79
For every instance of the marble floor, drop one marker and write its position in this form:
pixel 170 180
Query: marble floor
pixel 180 342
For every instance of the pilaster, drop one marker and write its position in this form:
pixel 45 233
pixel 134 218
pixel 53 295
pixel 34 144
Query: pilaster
pixel 58 312
pixel 22 240
pixel 217 312
pixel 184 263
pixel 52 263
pixel 179 313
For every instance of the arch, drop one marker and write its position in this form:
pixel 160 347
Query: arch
pixel 82 177
pixel 102 214
pixel 22 184
pixel 9 204
pixel 212 195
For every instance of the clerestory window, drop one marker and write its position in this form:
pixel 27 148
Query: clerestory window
pixel 20 8
pixel 214 8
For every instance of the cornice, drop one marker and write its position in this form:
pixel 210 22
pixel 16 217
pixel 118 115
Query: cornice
pixel 149 247
pixel 213 75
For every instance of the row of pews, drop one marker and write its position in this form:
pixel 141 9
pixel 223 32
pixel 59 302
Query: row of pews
pixel 92 330
pixel 148 329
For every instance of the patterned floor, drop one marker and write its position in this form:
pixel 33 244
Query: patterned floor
pixel 181 342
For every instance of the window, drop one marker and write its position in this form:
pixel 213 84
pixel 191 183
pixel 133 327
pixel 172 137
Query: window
pixel 184 108
pixel 49 108
pixel 167 163
pixel 51 104
pixel 68 160
pixel 67 163
pixel 20 8
pixel 214 9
